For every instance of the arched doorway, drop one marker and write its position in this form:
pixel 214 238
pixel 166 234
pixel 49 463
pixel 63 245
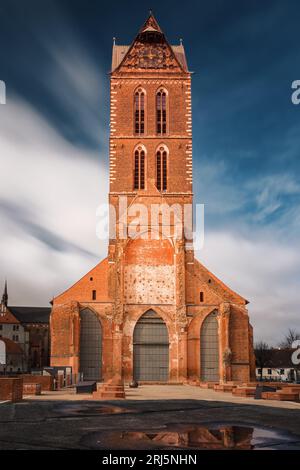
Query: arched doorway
pixel 90 358
pixel 151 349
pixel 209 349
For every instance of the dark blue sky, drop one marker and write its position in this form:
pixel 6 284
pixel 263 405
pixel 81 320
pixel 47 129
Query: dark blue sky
pixel 244 55
pixel 55 58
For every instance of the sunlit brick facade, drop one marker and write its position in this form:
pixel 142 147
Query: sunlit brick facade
pixel 150 311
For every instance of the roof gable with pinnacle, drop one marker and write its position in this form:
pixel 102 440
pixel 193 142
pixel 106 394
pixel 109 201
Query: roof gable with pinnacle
pixel 150 51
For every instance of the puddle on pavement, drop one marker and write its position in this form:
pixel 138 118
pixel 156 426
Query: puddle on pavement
pixel 212 437
pixel 90 410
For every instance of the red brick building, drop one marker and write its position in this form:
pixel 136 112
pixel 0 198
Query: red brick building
pixel 150 310
pixel 28 327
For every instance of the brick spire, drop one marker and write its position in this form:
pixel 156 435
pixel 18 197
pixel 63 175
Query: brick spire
pixel 5 295
pixel 150 24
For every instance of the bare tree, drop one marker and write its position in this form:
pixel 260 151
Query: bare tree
pixel 262 355
pixel 291 336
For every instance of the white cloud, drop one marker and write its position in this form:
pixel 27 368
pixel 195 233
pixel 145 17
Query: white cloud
pixel 270 191
pixel 50 188
pixel 220 197
pixel 263 270
pixel 49 193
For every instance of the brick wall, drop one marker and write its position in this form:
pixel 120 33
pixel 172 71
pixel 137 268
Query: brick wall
pixel 46 381
pixel 178 138
pixel 32 388
pixel 11 389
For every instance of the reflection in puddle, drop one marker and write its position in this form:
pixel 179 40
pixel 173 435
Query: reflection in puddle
pixel 224 438
pixel 214 437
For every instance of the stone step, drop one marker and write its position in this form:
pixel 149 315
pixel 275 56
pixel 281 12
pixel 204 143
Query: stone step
pixel 224 388
pixel 111 388
pixel 291 388
pixel 208 384
pixel 281 396
pixel 244 391
pixel 108 395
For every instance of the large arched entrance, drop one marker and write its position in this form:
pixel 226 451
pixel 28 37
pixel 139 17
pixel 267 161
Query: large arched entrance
pixel 209 349
pixel 151 349
pixel 90 358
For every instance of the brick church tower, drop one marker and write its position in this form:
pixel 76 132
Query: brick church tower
pixel 150 311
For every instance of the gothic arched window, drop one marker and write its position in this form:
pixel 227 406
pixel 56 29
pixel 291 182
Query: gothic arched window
pixel 139 111
pixel 161 111
pixel 139 167
pixel 161 168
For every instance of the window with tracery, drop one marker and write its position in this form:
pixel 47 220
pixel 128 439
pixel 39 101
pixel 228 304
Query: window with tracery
pixel 139 111
pixel 161 169
pixel 139 168
pixel 161 112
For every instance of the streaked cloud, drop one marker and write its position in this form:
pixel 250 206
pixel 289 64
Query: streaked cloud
pixel 54 140
pixel 49 193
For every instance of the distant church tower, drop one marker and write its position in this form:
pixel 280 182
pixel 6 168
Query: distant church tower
pixel 150 311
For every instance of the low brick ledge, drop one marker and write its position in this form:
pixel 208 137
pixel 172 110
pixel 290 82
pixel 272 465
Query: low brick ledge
pixel 11 389
pixel 110 391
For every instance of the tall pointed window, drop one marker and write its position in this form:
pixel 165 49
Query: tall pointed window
pixel 139 168
pixel 161 112
pixel 161 169
pixel 139 111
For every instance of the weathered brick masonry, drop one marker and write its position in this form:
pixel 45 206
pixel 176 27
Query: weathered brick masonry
pixel 150 310
pixel 11 388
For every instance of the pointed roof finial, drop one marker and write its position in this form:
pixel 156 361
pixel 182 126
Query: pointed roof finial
pixel 181 41
pixel 114 41
pixel 150 24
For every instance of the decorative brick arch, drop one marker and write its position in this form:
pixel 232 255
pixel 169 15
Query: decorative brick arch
pixel 161 313
pixel 102 317
pixel 162 86
pixel 142 235
pixel 144 251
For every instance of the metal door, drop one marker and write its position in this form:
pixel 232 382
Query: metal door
pixel 90 345
pixel 209 347
pixel 151 349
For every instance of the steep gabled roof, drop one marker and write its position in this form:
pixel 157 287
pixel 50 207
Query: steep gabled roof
pixel 78 291
pixel 180 54
pixel 279 359
pixel 31 314
pixel 214 283
pixel 118 55
pixel 11 346
pixel 119 52
pixel 8 317
pixel 126 58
